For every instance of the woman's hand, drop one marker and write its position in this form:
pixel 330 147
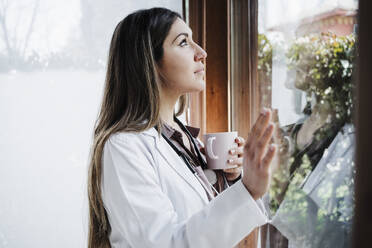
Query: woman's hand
pixel 236 160
pixel 258 155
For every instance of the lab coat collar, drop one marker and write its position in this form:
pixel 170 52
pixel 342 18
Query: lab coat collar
pixel 176 163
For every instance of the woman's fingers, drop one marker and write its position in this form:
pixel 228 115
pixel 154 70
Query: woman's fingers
pixel 259 127
pixel 262 143
pixel 254 147
pixel 235 161
pixel 256 161
pixel 237 151
pixel 236 170
pixel 240 141
pixel 265 164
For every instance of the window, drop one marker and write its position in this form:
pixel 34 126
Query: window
pixel 52 66
pixel 306 67
pixel 280 32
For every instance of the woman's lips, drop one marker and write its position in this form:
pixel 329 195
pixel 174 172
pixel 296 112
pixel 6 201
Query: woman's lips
pixel 200 70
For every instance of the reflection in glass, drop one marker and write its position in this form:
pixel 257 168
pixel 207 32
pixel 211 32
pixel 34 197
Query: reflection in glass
pixel 306 64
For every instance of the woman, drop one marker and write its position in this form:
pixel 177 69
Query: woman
pixel 142 193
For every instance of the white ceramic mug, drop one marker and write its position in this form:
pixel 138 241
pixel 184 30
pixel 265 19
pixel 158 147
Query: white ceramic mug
pixel 217 146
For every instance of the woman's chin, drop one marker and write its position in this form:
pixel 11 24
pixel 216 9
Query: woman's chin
pixel 195 86
pixel 199 86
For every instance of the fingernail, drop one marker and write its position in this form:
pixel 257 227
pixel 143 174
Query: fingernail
pixel 266 111
pixel 272 147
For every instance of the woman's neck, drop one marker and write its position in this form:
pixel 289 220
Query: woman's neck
pixel 167 104
pixel 321 114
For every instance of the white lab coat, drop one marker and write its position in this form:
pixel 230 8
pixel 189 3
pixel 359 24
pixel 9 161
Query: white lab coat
pixel 154 201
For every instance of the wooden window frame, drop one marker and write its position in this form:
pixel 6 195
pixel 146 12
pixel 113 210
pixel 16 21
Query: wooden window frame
pixel 244 58
pixel 209 109
pixel 362 232
pixel 218 107
pixel 231 66
pixel 194 13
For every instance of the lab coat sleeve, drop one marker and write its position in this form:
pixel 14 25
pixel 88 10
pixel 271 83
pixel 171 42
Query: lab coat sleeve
pixel 142 213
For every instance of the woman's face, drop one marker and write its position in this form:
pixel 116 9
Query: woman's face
pixel 181 67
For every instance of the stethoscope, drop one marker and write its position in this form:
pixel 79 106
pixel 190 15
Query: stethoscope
pixel 186 159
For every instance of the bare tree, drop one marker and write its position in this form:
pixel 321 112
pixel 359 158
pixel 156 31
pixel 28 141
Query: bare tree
pixel 16 44
pixel 31 26
pixel 4 7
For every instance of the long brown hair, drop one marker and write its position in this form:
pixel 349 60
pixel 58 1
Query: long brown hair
pixel 130 100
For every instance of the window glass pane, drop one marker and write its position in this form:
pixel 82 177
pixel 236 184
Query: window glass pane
pixel 306 74
pixel 52 66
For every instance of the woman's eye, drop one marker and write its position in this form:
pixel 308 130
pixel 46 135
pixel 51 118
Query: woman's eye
pixel 183 42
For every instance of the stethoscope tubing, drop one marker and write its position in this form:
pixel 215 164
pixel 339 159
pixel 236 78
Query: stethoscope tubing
pixel 186 160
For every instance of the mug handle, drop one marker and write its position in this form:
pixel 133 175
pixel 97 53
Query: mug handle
pixel 210 148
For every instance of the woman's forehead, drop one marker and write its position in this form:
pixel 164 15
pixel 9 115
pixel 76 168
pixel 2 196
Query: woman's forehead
pixel 178 27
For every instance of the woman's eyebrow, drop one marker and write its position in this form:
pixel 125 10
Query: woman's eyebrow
pixel 185 34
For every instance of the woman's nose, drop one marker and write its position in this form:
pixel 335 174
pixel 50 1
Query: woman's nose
pixel 199 53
